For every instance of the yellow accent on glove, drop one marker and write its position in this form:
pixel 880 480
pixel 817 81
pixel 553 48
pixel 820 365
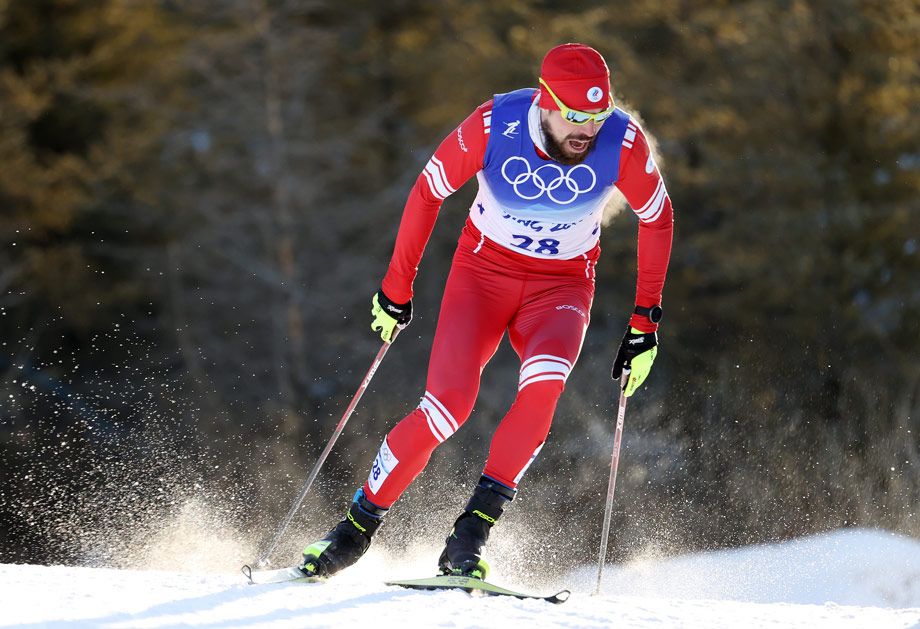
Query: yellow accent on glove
pixel 383 323
pixel 639 367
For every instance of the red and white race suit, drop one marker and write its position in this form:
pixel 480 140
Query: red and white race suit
pixel 500 282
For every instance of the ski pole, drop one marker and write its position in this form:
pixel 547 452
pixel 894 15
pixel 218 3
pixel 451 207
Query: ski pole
pixel 263 558
pixel 612 483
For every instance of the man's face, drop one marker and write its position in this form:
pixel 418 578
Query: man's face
pixel 568 143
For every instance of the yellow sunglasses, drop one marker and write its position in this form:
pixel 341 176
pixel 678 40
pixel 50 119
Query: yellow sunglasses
pixel 579 117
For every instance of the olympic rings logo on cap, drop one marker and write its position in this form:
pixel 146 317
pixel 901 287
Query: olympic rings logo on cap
pixel 531 184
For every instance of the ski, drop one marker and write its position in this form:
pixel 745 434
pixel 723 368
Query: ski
pixel 475 587
pixel 282 575
pixel 471 585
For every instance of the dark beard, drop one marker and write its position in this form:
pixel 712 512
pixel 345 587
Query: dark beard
pixel 554 149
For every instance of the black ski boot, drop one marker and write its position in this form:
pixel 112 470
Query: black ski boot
pixel 463 549
pixel 347 542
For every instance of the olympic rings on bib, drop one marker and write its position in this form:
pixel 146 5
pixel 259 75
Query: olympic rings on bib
pixel 531 184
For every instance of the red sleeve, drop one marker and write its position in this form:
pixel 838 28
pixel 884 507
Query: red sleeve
pixel 644 189
pixel 459 157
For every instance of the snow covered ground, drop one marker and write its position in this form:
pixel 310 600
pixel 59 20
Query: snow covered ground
pixel 849 578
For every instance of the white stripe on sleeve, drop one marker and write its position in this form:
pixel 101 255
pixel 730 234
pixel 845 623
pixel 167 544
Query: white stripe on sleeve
pixel 630 136
pixel 649 212
pixel 437 178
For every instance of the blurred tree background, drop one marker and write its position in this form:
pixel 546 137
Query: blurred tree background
pixel 197 201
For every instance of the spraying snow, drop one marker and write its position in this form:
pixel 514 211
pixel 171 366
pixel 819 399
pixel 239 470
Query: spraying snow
pixel 849 578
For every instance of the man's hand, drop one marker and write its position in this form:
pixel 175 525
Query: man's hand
pixel 388 315
pixel 636 354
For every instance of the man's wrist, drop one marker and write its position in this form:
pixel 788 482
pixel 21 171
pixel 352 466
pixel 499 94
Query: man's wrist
pixel 397 288
pixel 652 313
pixel 641 323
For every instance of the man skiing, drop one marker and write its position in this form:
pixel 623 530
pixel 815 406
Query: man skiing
pixel 547 161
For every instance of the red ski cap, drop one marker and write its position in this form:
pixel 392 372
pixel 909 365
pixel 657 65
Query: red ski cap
pixel 579 77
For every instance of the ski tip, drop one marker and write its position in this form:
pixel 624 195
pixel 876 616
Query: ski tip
pixel 559 597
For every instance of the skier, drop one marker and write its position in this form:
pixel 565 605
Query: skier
pixel 546 160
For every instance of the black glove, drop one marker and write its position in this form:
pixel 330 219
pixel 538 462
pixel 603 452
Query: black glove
pixel 636 354
pixel 388 315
